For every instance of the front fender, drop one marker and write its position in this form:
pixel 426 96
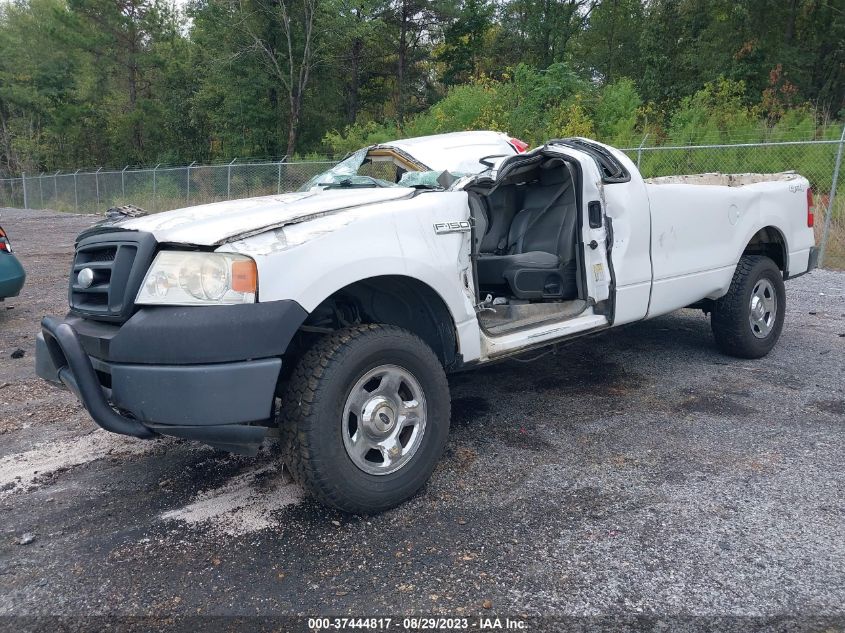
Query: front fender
pixel 313 260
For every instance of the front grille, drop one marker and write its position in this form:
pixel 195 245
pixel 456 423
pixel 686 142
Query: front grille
pixel 118 262
pixel 103 254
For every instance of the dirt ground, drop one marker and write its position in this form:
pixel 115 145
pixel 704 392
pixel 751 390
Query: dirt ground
pixel 634 474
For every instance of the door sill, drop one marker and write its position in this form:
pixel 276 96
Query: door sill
pixel 498 320
pixel 495 346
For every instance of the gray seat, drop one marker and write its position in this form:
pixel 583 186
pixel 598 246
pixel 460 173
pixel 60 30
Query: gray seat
pixel 537 259
pixel 498 209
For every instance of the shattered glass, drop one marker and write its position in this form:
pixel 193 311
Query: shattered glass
pixel 429 179
pixel 345 173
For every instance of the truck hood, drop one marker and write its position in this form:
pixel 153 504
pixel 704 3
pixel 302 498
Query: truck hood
pixel 219 222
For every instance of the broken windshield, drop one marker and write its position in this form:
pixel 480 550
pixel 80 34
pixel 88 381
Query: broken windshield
pixel 345 174
pixel 365 168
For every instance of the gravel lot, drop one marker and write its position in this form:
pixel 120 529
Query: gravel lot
pixel 637 472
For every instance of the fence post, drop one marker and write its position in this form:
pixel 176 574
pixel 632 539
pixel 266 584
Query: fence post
pixel 188 194
pixel 97 185
pixel 279 183
pixel 123 184
pixel 25 199
pixel 829 215
pixel 229 179
pixel 41 189
pixel 154 186
pixel 75 191
pixel 640 151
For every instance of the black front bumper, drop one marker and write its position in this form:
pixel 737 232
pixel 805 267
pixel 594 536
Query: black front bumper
pixel 203 373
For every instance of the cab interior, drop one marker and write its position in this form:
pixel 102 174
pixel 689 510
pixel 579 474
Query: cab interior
pixel 527 253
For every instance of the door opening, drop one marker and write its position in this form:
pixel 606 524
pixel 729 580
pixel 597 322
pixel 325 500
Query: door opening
pixel 527 250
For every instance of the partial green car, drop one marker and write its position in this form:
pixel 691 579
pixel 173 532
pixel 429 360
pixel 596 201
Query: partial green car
pixel 12 274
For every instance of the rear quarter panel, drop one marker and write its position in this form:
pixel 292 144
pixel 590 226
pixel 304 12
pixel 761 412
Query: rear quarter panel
pixel 700 231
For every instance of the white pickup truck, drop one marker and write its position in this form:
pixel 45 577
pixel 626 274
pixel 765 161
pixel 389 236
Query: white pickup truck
pixel 333 314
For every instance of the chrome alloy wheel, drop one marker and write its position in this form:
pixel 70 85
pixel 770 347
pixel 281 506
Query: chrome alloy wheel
pixel 384 420
pixel 763 308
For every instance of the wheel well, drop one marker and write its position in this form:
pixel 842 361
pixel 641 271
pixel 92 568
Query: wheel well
pixel 394 300
pixel 770 242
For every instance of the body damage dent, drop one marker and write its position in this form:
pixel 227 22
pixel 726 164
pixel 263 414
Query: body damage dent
pixel 281 237
pixel 342 221
pixel 218 223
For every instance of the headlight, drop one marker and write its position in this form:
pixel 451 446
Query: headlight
pixel 190 278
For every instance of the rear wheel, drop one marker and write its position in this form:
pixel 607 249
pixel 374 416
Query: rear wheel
pixel 365 418
pixel 748 320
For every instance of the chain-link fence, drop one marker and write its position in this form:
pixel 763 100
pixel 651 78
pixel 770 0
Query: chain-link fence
pixel 158 188
pixel 164 188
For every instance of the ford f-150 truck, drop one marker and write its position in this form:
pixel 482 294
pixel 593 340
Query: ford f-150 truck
pixel 332 315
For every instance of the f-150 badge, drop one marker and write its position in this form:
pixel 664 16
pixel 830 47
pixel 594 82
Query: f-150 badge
pixel 452 227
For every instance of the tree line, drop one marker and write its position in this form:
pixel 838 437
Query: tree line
pixel 116 82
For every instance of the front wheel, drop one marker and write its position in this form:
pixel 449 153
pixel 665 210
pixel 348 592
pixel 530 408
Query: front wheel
pixel 748 320
pixel 365 418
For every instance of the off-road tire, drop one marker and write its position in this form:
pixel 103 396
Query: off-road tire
pixel 730 318
pixel 312 411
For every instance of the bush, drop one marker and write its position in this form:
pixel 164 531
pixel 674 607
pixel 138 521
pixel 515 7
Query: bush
pixel 531 104
pixel 616 111
pixel 360 135
pixel 715 114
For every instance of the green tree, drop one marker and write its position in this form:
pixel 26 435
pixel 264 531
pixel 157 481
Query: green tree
pixel 538 32
pixel 464 41
pixel 360 53
pixel 120 39
pixel 716 113
pixel 111 82
pixel 660 53
pixel 610 45
pixel 616 111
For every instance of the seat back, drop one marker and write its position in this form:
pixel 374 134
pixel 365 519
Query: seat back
pixel 501 209
pixel 548 220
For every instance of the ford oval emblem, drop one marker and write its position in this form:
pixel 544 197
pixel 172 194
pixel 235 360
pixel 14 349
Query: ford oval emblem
pixel 85 278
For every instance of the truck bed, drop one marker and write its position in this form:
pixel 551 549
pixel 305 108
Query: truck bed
pixel 702 222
